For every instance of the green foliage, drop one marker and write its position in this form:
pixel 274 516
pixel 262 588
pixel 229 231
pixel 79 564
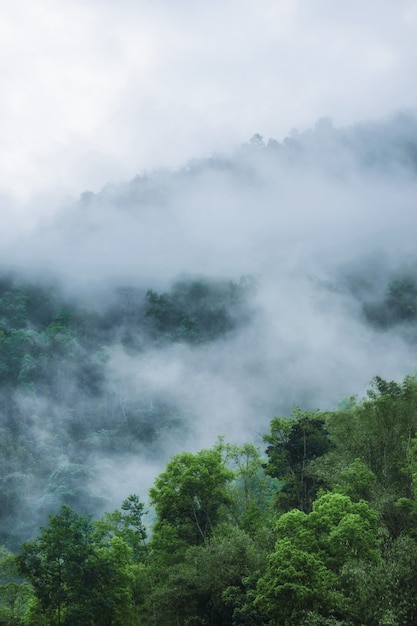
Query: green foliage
pixel 348 529
pixel 252 491
pixel 328 563
pixel 379 431
pixel 13 310
pixel 296 581
pixel 18 350
pixel 241 598
pixel 210 584
pixel 357 481
pixel 311 550
pixel 15 594
pixel 383 592
pixel 126 524
pixel 55 397
pixel 57 565
pixel 80 575
pixel 347 560
pixel 321 532
pixel 196 310
pixel 191 492
pixel 61 325
pixel 293 444
pixel 399 304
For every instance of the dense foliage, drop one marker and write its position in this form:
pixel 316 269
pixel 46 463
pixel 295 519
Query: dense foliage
pixel 319 527
pixel 58 410
pixel 319 530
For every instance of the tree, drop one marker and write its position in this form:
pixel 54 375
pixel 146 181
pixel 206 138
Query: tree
pixel 252 491
pixel 305 570
pixel 348 530
pixel 82 575
pixel 190 493
pixel 296 581
pixel 356 481
pixel 209 585
pixel 15 594
pixel 126 524
pixel 114 581
pixel 55 564
pixel 379 433
pixel 197 310
pixel 121 537
pixel 293 443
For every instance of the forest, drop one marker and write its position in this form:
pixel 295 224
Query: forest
pixel 314 526
pixel 208 394
pixel 318 527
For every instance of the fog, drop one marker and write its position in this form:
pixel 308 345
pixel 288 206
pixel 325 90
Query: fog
pixel 308 218
pixel 94 92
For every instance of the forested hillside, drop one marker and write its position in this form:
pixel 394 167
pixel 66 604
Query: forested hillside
pixel 316 527
pixel 60 409
pixel 58 412
pixel 150 332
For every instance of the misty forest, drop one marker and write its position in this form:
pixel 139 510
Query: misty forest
pixel 208 393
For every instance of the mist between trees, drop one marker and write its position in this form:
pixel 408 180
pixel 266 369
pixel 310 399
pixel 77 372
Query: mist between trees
pixel 318 529
pixel 89 393
pixel 201 303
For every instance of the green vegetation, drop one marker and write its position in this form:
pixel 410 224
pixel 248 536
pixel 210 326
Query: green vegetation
pixel 387 301
pixel 398 304
pixel 320 530
pixel 317 528
pixel 196 311
pixel 58 412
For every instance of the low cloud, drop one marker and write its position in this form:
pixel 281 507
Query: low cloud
pixel 320 221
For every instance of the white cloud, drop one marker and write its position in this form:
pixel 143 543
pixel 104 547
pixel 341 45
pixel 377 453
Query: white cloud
pixel 94 92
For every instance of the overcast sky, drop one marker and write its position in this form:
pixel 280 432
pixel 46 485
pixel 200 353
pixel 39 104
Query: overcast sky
pixel 96 91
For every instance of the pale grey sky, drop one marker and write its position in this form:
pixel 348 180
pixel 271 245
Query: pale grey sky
pixel 97 91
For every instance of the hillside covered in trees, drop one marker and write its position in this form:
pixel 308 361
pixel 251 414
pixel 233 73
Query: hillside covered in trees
pixel 318 527
pixel 150 332
pixel 58 410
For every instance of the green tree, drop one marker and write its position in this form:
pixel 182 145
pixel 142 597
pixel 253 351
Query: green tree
pixel 15 594
pixel 190 493
pixel 197 310
pixel 13 309
pixel 55 564
pixel 292 445
pixel 126 524
pixel 305 570
pixel 209 585
pixel 348 530
pixel 113 594
pixel 86 576
pixel 356 481
pixel 379 432
pixel 252 491
pixel 296 581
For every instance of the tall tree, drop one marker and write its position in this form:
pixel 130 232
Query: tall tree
pixel 305 570
pixel 82 575
pixel 55 564
pixel 190 493
pixel 292 444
